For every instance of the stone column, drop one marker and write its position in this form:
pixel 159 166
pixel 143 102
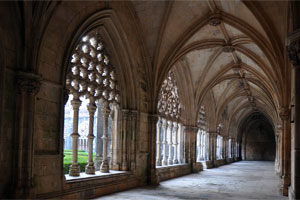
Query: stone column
pixel 213 145
pixel 74 168
pixel 151 169
pixel 175 159
pixel 170 161
pixel 104 168
pixel 199 145
pixel 158 142
pixel 286 173
pixel 165 127
pixel 225 147
pixel 125 115
pixel 99 141
pixel 293 43
pixel 28 86
pixel 191 132
pixel 90 168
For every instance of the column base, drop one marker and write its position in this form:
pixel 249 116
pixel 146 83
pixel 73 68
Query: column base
pixel 124 166
pixel 104 167
pixel 175 161
pixel 90 169
pixel 170 162
pixel 165 162
pixel 97 163
pixel 74 170
pixel 158 163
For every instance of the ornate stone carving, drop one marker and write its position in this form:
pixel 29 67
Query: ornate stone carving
pixel 284 113
pixel 228 48
pixel 293 47
pixel 29 82
pixel 91 73
pixel 169 102
pixel 215 19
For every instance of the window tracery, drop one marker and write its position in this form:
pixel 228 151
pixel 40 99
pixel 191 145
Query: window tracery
pixel 91 80
pixel 169 130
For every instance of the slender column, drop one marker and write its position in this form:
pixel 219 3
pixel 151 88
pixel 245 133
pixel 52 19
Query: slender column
pixel 75 169
pixel 286 174
pixel 199 145
pixel 90 168
pixel 29 86
pixel 165 127
pixel 293 42
pixel 170 161
pixel 105 112
pixel 125 114
pixel 158 142
pixel 175 159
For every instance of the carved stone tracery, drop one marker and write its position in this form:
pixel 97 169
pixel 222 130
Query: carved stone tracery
pixel 91 73
pixel 169 103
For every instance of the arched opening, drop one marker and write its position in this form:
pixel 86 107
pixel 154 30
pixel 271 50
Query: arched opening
pixel 258 138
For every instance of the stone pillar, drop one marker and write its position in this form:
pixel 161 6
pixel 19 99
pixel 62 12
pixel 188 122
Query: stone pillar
pixel 175 159
pixel 158 142
pixel 151 169
pixel 170 160
pixel 74 168
pixel 199 145
pixel 90 168
pixel 125 115
pixel 165 127
pixel 28 86
pixel 99 141
pixel 225 147
pixel 286 144
pixel 191 133
pixel 213 145
pixel 293 43
pixel 104 168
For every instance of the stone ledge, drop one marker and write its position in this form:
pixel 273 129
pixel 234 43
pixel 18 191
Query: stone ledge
pixel 85 177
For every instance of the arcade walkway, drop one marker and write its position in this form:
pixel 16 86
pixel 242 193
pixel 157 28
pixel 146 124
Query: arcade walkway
pixel 240 180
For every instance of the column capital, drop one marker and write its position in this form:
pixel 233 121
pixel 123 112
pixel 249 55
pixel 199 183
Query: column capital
pixel 293 47
pixel 91 108
pixel 76 103
pixel 29 82
pixel 284 113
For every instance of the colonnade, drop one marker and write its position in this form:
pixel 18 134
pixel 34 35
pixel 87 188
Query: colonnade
pixel 169 151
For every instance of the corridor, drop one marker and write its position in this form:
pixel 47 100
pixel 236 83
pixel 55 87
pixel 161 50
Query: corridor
pixel 240 180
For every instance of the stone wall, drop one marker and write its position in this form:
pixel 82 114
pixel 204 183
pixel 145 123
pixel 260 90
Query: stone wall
pixel 260 143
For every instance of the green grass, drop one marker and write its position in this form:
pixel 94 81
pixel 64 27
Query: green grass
pixel 82 159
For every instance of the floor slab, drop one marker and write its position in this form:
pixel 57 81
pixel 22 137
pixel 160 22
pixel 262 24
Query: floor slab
pixel 239 180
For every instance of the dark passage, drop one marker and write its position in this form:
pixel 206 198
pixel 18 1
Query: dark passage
pixel 258 138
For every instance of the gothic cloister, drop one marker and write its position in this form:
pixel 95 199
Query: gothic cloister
pixel 98 97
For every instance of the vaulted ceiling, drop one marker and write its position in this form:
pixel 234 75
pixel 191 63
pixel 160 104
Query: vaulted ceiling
pixel 228 55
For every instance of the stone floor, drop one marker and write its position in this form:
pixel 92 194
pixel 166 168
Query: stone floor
pixel 240 180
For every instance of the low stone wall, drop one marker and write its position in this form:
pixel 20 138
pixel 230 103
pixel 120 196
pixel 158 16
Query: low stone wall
pixel 219 163
pixel 229 160
pixel 169 172
pixel 94 187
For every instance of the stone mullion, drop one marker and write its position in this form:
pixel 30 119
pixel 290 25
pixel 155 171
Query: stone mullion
pixel 104 168
pixel 74 168
pixel 175 159
pixel 165 126
pixel 158 142
pixel 170 160
pixel 90 168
